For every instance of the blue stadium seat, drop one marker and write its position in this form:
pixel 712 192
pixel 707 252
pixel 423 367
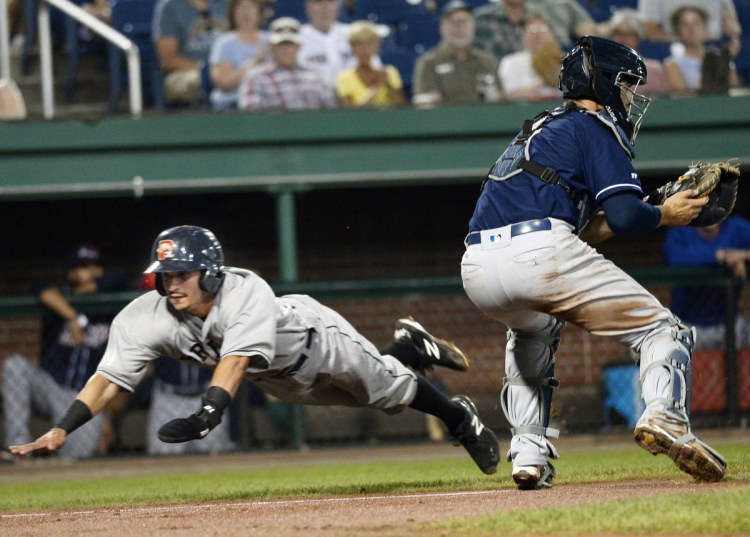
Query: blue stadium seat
pixel 133 19
pixel 601 10
pixel 389 11
pixel 290 8
pixel 657 50
pixel 404 61
pixel 419 34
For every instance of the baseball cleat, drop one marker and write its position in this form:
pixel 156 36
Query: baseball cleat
pixel 431 349
pixel 533 477
pixel 478 440
pixel 658 432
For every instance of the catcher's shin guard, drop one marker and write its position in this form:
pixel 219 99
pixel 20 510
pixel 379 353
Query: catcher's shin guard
pixel 664 427
pixel 526 400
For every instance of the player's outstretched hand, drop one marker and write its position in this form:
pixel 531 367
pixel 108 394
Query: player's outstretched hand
pixel 682 207
pixel 53 440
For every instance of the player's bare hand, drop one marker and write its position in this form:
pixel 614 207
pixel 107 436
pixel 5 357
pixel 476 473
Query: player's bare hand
pixel 53 440
pixel 681 208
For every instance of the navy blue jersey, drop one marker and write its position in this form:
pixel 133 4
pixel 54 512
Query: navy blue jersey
pixel 586 154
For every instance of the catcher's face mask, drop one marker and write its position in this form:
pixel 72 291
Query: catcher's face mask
pixel 635 103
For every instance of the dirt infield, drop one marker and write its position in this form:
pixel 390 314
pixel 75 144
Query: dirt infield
pixel 384 515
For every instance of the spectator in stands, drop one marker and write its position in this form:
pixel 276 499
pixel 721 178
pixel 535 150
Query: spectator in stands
pixel 657 15
pixel 454 72
pixel 693 66
pixel 325 41
pixel 532 74
pixel 234 53
pixel 626 27
pixel 73 343
pixel 500 24
pixel 499 27
pixel 183 33
pixel 281 83
pixel 726 244
pixel 368 84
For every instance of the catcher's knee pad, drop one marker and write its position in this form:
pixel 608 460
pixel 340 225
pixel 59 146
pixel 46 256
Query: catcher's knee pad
pixel 666 371
pixel 539 384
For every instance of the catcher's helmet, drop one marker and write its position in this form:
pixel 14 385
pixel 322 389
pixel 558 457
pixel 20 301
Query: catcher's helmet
pixel 607 73
pixel 187 248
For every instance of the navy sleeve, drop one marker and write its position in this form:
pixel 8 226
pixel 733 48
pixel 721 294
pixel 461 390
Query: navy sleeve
pixel 626 213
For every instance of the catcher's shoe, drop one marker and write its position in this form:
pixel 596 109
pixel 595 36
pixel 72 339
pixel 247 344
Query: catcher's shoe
pixel 534 477
pixel 432 350
pixel 478 440
pixel 657 431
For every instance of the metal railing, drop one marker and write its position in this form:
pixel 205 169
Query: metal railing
pixel 100 28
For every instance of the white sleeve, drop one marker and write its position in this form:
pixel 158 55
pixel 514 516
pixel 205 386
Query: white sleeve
pixel 248 319
pixel 136 337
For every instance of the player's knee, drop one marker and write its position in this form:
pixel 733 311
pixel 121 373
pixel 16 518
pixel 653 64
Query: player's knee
pixel 14 366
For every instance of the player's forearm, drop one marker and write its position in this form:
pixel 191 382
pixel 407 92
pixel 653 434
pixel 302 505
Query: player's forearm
pixel 230 372
pixel 54 300
pixel 597 230
pixel 98 393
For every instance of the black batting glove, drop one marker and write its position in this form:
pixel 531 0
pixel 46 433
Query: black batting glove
pixel 199 424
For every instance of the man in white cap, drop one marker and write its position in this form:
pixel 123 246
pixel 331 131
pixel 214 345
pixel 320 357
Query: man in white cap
pixel 283 84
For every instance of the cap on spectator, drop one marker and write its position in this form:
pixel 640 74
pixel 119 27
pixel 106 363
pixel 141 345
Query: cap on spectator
pixel 453 6
pixel 283 30
pixel 84 255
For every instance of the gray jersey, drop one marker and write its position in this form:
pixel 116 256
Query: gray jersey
pixel 301 351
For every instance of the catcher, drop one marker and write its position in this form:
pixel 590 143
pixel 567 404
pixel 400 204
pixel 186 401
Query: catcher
pixel 566 182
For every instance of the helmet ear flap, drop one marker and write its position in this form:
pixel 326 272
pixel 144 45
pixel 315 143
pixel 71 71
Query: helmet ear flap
pixel 159 284
pixel 210 282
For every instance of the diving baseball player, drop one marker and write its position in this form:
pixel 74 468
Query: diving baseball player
pixel 564 182
pixel 292 347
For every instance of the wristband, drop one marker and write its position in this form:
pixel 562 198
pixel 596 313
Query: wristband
pixel 78 414
pixel 218 397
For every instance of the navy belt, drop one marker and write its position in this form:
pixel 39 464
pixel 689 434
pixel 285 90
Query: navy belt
pixel 530 226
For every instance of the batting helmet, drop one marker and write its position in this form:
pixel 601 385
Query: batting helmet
pixel 187 248
pixel 607 73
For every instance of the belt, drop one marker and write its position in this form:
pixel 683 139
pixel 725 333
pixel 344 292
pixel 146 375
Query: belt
pixel 530 226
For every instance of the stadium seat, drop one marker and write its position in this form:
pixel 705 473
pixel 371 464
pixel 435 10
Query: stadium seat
pixel 133 19
pixel 403 60
pixel 654 49
pixel 419 34
pixel 390 11
pixel 290 8
pixel 601 10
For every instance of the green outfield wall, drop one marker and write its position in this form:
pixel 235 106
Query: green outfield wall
pixel 176 153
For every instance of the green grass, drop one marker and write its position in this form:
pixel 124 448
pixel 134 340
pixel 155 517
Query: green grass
pixel 710 513
pixel 721 512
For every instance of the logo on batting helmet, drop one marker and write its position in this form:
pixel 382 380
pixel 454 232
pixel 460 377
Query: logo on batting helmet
pixel 184 249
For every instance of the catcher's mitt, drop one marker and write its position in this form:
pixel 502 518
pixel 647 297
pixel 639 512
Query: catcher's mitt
pixel 717 180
